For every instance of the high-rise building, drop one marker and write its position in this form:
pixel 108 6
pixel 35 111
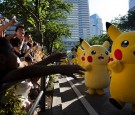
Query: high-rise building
pixel 96 25
pixel 80 20
pixel 84 20
pixel 131 5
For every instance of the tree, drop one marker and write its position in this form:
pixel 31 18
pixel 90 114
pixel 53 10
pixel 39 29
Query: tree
pixel 126 22
pixel 99 40
pixel 95 40
pixel 41 17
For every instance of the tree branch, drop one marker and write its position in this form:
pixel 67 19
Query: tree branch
pixel 27 10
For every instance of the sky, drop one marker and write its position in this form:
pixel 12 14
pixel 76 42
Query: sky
pixel 108 9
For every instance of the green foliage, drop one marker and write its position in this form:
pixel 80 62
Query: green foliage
pixel 126 22
pixel 51 81
pixel 99 40
pixel 11 104
pixel 74 49
pixel 95 40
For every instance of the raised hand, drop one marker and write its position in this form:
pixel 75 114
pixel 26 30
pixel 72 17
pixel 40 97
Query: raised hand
pixel 71 70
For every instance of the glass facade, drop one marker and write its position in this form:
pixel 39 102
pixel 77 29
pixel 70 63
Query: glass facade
pixel 80 20
pixel 131 5
pixel 96 25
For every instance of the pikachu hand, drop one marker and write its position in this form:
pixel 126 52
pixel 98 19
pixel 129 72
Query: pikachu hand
pixel 116 66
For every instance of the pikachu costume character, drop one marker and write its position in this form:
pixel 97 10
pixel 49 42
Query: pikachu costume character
pixel 96 60
pixel 122 65
pixel 81 57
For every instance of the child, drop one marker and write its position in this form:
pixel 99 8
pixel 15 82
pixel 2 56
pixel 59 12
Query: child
pixel 10 72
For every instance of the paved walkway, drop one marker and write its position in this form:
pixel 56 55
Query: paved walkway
pixel 67 102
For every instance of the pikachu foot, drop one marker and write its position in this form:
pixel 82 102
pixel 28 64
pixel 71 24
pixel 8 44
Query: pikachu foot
pixel 100 92
pixel 91 91
pixel 116 103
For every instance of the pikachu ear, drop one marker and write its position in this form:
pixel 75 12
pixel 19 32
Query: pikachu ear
pixel 106 44
pixel 85 45
pixel 81 40
pixel 112 31
pixel 79 50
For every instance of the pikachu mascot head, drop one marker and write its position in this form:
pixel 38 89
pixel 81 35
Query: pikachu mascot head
pixel 122 65
pixel 96 60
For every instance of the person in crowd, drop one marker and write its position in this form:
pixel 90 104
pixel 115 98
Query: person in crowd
pixel 18 41
pixel 10 72
pixel 28 46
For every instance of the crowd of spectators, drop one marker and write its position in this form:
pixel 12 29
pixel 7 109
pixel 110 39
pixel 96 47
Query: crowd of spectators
pixel 23 60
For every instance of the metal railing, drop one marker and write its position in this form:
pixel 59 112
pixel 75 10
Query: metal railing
pixel 34 105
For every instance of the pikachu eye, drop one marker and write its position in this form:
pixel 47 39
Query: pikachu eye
pixel 93 52
pixel 106 53
pixel 124 43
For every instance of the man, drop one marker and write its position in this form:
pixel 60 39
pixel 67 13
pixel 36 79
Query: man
pixel 18 41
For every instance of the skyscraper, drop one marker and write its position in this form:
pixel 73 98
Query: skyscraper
pixel 131 5
pixel 80 20
pixel 96 25
pixel 84 20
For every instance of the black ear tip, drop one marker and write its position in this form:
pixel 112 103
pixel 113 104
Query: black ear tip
pixel 108 25
pixel 81 40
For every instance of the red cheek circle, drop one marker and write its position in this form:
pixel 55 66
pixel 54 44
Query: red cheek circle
pixel 83 58
pixel 110 59
pixel 118 54
pixel 89 58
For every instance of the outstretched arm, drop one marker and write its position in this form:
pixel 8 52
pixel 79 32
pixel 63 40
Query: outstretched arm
pixel 52 58
pixel 42 71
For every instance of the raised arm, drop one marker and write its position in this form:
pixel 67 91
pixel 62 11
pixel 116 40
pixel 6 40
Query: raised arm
pixel 5 26
pixel 52 58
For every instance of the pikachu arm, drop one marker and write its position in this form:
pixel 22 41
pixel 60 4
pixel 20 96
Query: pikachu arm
pixel 116 66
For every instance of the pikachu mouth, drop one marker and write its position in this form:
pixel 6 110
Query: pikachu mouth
pixel 101 58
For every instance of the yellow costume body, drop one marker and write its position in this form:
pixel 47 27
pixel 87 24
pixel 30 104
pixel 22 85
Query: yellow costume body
pixel 96 75
pixel 122 66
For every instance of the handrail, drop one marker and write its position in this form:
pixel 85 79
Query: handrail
pixel 44 84
pixel 34 105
